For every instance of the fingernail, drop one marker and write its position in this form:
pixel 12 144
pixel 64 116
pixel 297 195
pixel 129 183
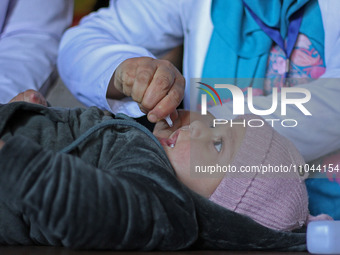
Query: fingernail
pixel 143 110
pixel 152 118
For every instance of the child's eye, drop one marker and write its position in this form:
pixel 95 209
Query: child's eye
pixel 218 145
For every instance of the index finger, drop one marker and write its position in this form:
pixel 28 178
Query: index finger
pixel 170 102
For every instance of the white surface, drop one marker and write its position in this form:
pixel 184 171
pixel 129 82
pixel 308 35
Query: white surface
pixel 323 237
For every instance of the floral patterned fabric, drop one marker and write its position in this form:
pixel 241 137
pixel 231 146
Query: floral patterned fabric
pixel 306 64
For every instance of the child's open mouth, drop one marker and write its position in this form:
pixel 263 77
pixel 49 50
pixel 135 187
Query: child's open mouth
pixel 171 141
pixel 173 138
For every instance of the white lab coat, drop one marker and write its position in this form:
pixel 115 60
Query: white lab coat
pixel 30 32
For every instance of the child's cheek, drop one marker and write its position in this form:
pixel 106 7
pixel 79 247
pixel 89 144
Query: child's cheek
pixel 180 156
pixel 182 151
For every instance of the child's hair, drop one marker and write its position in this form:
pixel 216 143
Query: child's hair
pixel 276 198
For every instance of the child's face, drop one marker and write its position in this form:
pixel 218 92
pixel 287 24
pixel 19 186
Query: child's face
pixel 198 144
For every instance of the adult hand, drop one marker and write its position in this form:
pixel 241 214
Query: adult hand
pixel 2 143
pixel 156 85
pixel 30 96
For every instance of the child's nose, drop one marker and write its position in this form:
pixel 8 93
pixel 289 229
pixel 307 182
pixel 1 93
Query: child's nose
pixel 198 129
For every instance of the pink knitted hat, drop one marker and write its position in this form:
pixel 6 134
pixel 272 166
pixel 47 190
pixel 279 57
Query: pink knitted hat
pixel 277 200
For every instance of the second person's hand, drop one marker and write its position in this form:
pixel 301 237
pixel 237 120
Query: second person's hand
pixel 2 143
pixel 30 96
pixel 156 85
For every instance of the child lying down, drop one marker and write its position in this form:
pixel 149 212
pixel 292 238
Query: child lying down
pixel 84 178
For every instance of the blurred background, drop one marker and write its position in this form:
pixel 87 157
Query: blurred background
pixel 58 94
pixel 84 7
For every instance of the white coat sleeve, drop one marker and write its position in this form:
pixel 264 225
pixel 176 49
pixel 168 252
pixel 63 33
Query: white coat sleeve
pixel 90 52
pixel 319 134
pixel 29 44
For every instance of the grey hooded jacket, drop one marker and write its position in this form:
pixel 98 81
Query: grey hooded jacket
pixel 85 179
